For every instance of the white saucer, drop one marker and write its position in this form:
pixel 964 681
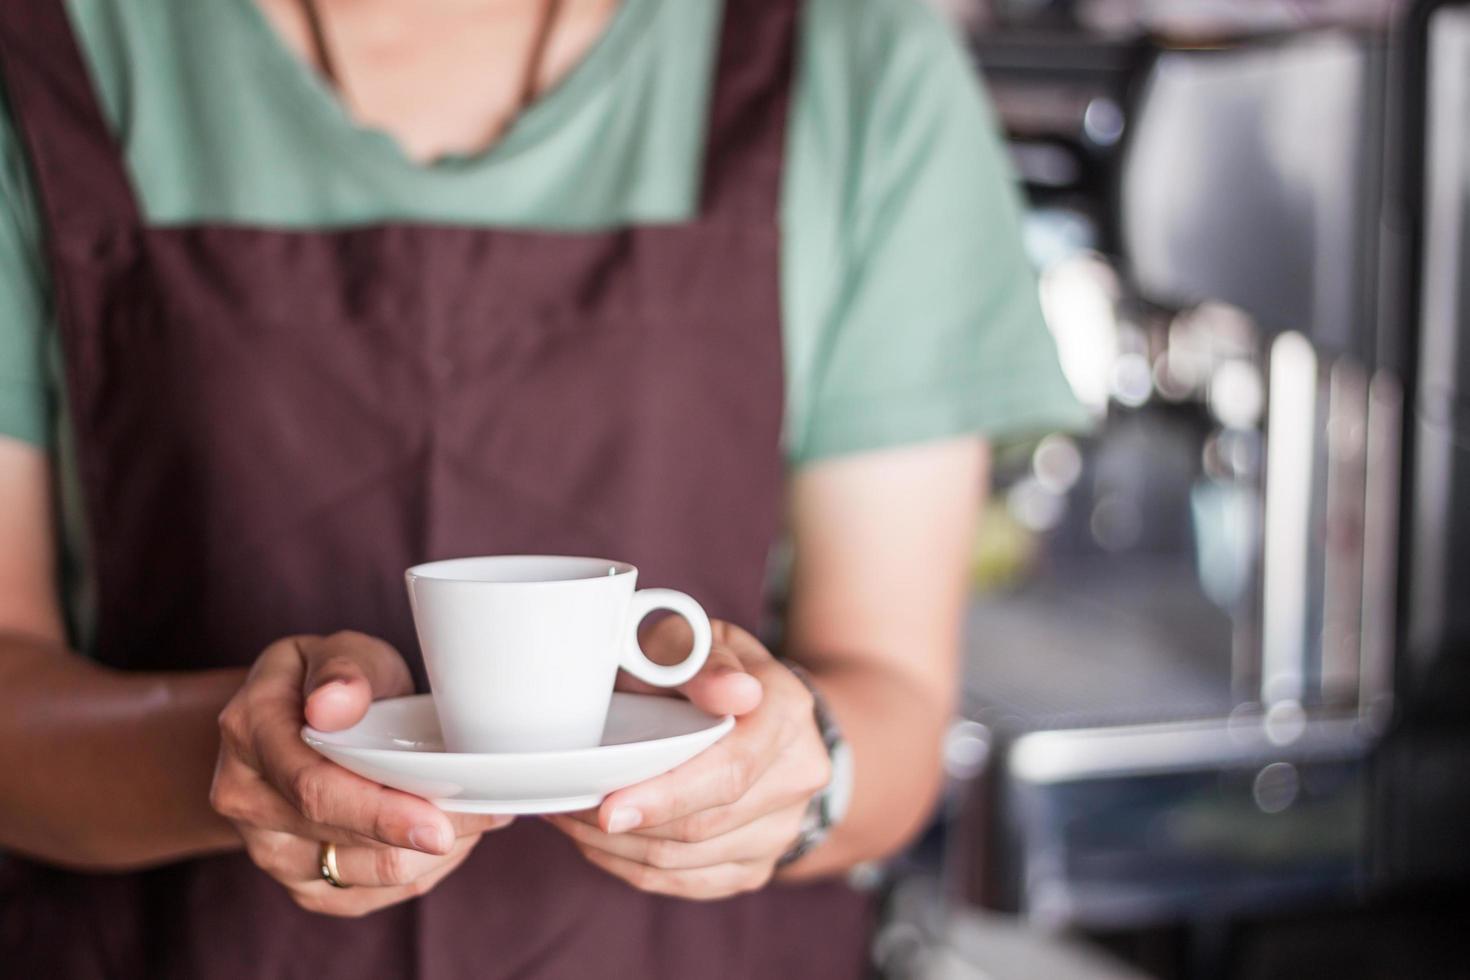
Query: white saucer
pixel 397 743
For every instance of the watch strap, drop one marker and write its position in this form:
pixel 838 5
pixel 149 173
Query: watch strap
pixel 816 824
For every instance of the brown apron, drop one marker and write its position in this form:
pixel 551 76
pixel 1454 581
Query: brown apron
pixel 271 425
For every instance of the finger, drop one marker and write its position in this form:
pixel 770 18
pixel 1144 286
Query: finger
pixel 289 858
pixel 326 794
pixel 381 867
pixel 244 797
pixel 723 774
pixel 384 867
pixel 391 867
pixel 241 795
pixel 345 673
pixel 319 896
pixel 723 686
pixel 718 776
pixel 700 884
pixel 768 795
pixel 764 839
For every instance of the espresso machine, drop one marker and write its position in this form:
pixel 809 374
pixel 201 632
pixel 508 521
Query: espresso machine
pixel 1259 702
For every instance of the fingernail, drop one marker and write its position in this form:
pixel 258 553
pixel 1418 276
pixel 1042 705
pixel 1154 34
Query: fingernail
pixel 428 838
pixel 624 819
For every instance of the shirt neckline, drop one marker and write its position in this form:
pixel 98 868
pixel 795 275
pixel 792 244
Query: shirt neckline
pixel 377 149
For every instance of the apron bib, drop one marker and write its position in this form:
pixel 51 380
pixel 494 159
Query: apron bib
pixel 272 425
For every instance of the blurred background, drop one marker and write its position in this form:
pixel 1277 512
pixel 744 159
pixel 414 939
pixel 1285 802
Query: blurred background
pixel 1217 716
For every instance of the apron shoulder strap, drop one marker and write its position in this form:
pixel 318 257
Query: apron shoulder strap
pixel 748 110
pixel 75 161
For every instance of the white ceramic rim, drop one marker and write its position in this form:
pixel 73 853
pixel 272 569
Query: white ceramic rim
pixel 458 570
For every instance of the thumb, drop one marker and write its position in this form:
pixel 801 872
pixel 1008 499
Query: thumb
pixel 723 686
pixel 345 673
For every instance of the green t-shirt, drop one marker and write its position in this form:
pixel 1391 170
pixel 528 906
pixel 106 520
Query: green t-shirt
pixel 909 310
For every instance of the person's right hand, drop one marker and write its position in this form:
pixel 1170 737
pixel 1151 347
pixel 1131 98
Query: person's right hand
pixel 286 800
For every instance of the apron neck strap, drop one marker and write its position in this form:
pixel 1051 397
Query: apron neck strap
pixel 748 110
pixel 82 181
pixel 76 162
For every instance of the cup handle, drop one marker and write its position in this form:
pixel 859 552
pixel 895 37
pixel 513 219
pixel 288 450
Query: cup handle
pixel 636 662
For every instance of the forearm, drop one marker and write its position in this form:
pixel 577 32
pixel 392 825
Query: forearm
pixel 104 769
pixel 895 727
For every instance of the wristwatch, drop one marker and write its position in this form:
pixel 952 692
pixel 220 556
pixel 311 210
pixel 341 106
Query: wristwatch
pixel 829 806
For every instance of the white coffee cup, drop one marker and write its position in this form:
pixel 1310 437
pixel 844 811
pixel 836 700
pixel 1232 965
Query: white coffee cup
pixel 522 650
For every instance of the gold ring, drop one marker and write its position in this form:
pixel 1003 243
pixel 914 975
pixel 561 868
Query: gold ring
pixel 327 858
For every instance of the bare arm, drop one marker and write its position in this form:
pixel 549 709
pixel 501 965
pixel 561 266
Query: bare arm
pixel 883 541
pixel 98 768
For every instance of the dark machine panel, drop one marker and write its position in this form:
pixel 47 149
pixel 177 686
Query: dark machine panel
pixel 1435 668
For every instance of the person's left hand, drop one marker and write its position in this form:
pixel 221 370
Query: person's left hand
pixel 716 825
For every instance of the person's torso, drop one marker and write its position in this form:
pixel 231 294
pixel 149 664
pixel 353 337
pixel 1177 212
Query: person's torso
pixel 218 122
pixel 271 423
